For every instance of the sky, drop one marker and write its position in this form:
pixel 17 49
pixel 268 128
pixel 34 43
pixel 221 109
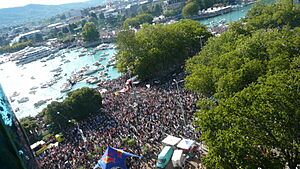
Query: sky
pixel 16 3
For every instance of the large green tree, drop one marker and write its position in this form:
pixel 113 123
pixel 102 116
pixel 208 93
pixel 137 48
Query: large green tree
pixel 257 127
pixel 156 50
pixel 79 105
pixel 190 9
pixel 136 21
pixel 249 76
pixel 90 32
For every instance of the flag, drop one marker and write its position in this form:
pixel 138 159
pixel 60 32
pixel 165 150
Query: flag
pixel 114 158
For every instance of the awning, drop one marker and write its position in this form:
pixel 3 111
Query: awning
pixel 171 140
pixel 185 144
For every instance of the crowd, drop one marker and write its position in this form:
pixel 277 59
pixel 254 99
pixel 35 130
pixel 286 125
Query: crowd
pixel 145 115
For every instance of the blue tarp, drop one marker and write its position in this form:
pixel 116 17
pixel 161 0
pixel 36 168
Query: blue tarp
pixel 114 158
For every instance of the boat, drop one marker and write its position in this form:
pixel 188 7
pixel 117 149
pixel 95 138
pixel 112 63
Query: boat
pixel 93 80
pixel 82 54
pixel 104 54
pixel 32 77
pixel 34 87
pixel 59 98
pixel 43 86
pixel 30 54
pixel 32 92
pixel 93 70
pixel 39 103
pixel 59 69
pixel 23 100
pixel 102 46
pixel 67 61
pixel 15 94
pixel 96 64
pixel 66 87
pixel 101 59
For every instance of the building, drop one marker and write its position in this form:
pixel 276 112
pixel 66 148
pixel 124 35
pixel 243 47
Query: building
pixel 28 35
pixel 15 150
pixel 296 1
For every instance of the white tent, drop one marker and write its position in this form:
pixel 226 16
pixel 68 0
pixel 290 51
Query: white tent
pixel 33 146
pixel 171 140
pixel 185 144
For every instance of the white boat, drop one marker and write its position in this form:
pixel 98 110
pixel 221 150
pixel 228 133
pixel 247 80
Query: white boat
pixel 93 80
pixel 93 69
pixel 33 55
pixel 66 87
pixel 104 54
pixel 23 100
pixel 103 46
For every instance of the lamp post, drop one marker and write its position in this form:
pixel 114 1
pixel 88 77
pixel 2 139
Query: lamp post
pixel 179 101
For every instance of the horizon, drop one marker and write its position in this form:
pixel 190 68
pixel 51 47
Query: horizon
pixel 21 3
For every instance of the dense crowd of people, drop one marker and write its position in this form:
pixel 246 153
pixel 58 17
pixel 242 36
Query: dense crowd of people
pixel 145 114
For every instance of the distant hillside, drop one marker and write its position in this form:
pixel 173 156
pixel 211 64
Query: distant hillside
pixel 34 12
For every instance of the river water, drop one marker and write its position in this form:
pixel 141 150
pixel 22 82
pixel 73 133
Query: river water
pixel 19 79
pixel 228 17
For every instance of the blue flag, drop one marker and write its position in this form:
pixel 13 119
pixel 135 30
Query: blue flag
pixel 114 158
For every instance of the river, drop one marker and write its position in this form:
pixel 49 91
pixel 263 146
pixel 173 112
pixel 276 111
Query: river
pixel 228 17
pixel 21 79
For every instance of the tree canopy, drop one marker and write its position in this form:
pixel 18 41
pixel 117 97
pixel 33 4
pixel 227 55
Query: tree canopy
pixel 156 50
pixel 249 77
pixel 136 21
pixel 79 105
pixel 15 47
pixel 90 32
pixel 190 9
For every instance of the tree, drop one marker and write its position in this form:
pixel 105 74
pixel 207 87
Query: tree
pixel 79 105
pixel 90 32
pixel 29 125
pixel 138 20
pixel 190 9
pixel 157 50
pixel 257 127
pixel 250 77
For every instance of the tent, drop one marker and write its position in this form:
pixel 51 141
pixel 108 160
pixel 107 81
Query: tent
pixel 114 158
pixel 185 144
pixel 171 140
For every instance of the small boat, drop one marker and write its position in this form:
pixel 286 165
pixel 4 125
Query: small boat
pixel 93 70
pixel 101 59
pixel 32 92
pixel 59 98
pixel 15 94
pixel 82 54
pixel 104 54
pixel 44 86
pixel 32 77
pixel 23 100
pixel 67 61
pixel 93 80
pixel 34 87
pixel 96 64
pixel 39 103
pixel 66 87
